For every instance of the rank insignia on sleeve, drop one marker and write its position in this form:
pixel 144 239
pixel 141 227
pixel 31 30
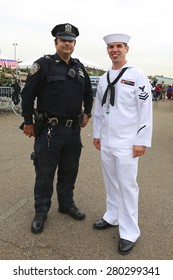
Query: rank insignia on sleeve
pixel 143 94
pixel 142 88
pixel 34 68
pixel 128 82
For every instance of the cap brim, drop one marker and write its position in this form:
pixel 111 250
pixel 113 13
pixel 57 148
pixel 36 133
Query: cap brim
pixel 66 37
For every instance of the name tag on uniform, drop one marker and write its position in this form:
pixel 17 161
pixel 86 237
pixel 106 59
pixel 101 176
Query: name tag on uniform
pixel 128 82
pixel 81 73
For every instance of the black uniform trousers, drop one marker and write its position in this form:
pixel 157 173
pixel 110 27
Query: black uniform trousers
pixel 60 152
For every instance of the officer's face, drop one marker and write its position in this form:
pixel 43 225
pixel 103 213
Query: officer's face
pixel 64 48
pixel 117 53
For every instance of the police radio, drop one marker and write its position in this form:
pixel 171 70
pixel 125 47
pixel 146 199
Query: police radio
pixel 71 73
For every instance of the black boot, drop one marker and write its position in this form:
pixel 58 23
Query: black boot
pixel 74 212
pixel 125 246
pixel 37 225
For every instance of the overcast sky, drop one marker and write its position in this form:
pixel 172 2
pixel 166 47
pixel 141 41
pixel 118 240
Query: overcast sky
pixel 149 23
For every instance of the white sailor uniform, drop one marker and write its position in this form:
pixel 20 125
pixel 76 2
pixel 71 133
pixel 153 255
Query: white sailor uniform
pixel 119 127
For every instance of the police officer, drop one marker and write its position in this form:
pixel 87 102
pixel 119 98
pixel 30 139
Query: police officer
pixel 122 130
pixel 62 89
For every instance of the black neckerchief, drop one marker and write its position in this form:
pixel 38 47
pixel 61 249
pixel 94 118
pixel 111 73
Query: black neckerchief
pixel 111 87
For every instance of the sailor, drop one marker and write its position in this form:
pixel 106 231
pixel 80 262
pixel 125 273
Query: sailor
pixel 122 129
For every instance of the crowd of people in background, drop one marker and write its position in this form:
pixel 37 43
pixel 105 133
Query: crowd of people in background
pixel 161 91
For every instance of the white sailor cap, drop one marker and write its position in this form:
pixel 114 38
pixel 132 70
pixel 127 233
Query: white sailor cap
pixel 121 38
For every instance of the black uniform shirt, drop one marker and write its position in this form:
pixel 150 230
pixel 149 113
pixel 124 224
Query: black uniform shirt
pixel 61 89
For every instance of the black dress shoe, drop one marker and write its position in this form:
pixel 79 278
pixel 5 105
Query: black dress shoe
pixel 101 224
pixel 125 246
pixel 37 225
pixel 74 212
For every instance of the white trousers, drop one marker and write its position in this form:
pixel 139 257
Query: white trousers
pixel 120 173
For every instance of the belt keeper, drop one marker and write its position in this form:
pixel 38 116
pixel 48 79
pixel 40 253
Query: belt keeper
pixel 69 123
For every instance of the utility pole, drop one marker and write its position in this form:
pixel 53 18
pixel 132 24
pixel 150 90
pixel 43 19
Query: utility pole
pixel 15 46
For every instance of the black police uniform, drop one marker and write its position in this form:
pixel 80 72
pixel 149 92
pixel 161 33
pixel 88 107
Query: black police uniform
pixel 62 90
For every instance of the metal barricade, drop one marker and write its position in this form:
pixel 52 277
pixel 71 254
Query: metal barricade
pixel 6 98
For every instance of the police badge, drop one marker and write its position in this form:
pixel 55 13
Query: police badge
pixel 68 28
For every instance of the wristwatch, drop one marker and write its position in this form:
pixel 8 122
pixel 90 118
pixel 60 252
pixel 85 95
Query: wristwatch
pixel 89 115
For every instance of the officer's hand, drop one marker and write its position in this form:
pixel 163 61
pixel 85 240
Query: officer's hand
pixel 28 130
pixel 96 143
pixel 138 151
pixel 84 121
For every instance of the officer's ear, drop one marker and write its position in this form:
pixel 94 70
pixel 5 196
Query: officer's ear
pixel 56 41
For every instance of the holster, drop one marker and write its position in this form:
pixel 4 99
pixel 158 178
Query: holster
pixel 38 122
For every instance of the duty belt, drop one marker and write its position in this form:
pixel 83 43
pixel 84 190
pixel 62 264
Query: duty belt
pixel 67 122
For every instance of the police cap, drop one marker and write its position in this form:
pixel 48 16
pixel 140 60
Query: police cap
pixel 65 31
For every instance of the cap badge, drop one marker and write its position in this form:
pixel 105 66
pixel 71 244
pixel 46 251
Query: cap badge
pixel 68 28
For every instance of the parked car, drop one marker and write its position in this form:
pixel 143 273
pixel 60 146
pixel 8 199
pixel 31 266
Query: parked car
pixel 94 88
pixel 94 82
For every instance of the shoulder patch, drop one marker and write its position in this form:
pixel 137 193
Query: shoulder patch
pixel 34 68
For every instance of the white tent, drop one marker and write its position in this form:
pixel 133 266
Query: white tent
pixel 27 63
pixel 90 64
pixel 87 63
pixel 6 62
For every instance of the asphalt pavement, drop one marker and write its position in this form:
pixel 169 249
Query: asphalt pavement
pixel 65 238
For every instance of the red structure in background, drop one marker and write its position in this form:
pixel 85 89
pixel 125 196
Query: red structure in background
pixel 6 62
